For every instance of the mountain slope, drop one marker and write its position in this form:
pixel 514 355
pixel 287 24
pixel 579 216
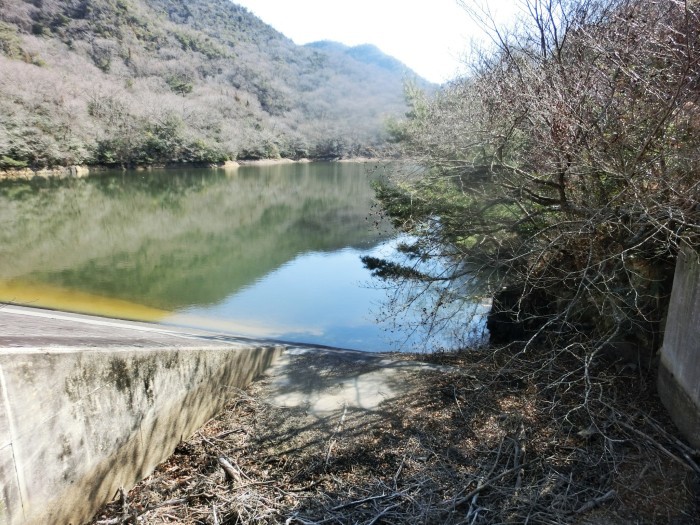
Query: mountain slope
pixel 151 81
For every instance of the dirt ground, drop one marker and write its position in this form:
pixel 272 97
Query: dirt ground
pixel 479 437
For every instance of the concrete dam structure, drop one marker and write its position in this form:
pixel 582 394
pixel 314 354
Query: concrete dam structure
pixel 679 370
pixel 90 405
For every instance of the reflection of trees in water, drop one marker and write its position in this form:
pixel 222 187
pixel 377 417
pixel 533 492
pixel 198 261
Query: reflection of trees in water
pixel 423 310
pixel 175 238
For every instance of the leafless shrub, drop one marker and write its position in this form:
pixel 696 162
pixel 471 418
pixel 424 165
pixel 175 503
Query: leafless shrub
pixel 563 170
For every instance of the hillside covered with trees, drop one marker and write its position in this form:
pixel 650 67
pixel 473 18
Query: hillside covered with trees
pixel 137 82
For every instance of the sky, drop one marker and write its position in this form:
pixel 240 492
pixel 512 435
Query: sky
pixel 431 37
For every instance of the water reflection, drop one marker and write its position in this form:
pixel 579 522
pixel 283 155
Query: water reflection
pixel 323 298
pixel 173 239
pixel 265 251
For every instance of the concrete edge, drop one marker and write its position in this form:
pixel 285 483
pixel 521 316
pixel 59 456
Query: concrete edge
pixel 684 412
pixel 79 425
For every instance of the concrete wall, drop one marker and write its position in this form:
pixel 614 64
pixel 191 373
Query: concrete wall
pixel 679 373
pixel 77 425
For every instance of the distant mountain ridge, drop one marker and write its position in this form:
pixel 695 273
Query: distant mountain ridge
pixel 130 82
pixel 366 53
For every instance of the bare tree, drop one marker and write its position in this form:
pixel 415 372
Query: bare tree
pixel 561 174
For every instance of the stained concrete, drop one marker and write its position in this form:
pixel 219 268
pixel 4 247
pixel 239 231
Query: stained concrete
pixel 679 373
pixel 90 405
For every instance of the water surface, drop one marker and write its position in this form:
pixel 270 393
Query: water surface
pixel 261 251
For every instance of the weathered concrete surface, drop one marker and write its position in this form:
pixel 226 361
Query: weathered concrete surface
pixel 326 381
pixel 679 372
pixel 89 405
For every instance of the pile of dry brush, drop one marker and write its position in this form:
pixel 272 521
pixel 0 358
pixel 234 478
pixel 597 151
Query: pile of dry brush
pixel 491 441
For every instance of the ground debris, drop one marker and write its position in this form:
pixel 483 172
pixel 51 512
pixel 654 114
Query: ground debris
pixel 474 442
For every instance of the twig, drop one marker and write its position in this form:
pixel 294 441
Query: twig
pixel 214 445
pixel 304 489
pixel 454 393
pixel 293 519
pixel 691 462
pixel 125 505
pixel 231 473
pixel 254 484
pixel 365 500
pixel 473 513
pixel 519 456
pixel 222 435
pixel 330 449
pixel 687 464
pixel 596 501
pixel 168 503
pixel 484 485
pixel 688 452
pixel 390 507
pixel 337 430
pixel 398 471
pixel 125 517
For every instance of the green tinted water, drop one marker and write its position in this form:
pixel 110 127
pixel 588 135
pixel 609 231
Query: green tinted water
pixel 262 251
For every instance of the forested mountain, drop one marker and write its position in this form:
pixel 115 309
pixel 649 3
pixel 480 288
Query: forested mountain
pixel 366 53
pixel 128 82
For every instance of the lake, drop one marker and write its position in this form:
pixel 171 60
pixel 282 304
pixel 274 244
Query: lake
pixel 259 251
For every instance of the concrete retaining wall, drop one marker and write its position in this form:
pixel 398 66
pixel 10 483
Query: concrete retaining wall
pixel 77 425
pixel 679 372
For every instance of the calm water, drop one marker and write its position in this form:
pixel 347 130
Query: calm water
pixel 264 251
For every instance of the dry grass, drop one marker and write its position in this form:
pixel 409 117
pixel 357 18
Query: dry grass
pixel 492 441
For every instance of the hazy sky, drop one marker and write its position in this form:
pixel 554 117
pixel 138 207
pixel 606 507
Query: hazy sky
pixel 429 36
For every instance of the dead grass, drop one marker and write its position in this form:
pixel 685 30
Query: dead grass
pixel 491 441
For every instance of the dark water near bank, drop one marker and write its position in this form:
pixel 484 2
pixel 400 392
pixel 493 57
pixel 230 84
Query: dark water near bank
pixel 263 251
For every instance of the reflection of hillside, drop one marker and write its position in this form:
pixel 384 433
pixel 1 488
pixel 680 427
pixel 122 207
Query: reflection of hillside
pixel 177 238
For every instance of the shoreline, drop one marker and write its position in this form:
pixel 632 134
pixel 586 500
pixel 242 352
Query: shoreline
pixel 80 171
